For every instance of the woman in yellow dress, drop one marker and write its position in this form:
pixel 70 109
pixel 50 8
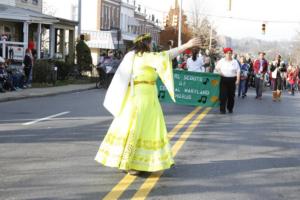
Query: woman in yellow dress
pixel 137 138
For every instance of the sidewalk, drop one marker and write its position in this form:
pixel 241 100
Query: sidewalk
pixel 41 92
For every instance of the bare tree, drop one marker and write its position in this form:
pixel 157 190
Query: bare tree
pixel 200 24
pixel 49 9
pixel 295 50
pixel 197 16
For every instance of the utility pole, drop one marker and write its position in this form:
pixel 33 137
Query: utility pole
pixel 180 24
pixel 230 4
pixel 210 37
pixel 79 18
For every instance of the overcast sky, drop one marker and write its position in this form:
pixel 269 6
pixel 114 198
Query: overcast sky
pixel 273 12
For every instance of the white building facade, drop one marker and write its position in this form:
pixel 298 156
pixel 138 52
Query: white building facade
pixel 23 25
pixel 35 5
pixel 128 24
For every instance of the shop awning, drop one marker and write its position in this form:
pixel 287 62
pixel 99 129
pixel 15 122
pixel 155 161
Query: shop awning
pixel 102 39
pixel 128 36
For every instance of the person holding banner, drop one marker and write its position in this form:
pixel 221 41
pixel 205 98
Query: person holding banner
pixel 229 70
pixel 195 63
pixel 137 138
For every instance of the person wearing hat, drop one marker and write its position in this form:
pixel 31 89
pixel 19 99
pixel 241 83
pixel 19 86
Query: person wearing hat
pixel 278 68
pixel 260 68
pixel 229 69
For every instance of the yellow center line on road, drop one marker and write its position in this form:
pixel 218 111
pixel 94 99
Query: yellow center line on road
pixel 173 132
pixel 127 180
pixel 151 181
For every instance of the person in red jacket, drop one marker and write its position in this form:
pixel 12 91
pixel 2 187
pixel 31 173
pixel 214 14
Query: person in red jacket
pixel 260 68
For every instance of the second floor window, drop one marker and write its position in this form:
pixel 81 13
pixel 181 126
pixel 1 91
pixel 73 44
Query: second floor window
pixel 35 2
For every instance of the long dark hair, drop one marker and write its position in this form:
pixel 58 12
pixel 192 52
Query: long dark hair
pixel 195 54
pixel 141 44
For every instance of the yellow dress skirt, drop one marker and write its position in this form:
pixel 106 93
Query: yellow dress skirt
pixel 137 138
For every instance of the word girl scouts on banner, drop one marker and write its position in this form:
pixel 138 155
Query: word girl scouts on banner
pixel 192 88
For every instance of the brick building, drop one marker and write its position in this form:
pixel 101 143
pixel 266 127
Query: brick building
pixel 110 14
pixel 172 19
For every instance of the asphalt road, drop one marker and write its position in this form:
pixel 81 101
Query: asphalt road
pixel 252 154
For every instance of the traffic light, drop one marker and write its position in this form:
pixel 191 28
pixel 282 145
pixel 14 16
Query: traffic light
pixel 263 28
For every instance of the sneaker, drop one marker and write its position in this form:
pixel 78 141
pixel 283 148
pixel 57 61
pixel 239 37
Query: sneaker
pixel 133 172
pixel 230 111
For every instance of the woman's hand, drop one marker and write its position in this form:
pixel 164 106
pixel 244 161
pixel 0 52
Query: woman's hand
pixel 193 42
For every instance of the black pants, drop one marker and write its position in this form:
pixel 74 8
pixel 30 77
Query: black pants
pixel 227 93
pixel 27 74
pixel 277 84
pixel 247 84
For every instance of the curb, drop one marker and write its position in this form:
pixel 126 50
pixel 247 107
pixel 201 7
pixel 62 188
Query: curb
pixel 44 95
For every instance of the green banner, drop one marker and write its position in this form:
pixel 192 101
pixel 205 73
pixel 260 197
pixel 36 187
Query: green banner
pixel 192 88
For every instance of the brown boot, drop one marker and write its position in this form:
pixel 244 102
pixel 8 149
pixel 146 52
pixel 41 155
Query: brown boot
pixel 278 95
pixel 274 96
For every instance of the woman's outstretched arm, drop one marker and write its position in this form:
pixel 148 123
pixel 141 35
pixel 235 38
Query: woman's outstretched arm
pixel 191 43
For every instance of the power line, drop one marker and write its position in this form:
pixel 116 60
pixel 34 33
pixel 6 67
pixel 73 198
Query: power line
pixel 249 19
pixel 230 17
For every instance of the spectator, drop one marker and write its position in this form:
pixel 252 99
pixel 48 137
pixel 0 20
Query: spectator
pixel 27 62
pixel 207 63
pixel 101 59
pixel 250 78
pixel 298 78
pixel 6 82
pixel 244 76
pixel 2 75
pixel 174 60
pixel 17 75
pixel 292 78
pixel 260 67
pixel 183 65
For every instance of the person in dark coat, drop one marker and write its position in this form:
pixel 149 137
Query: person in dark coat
pixel 27 61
